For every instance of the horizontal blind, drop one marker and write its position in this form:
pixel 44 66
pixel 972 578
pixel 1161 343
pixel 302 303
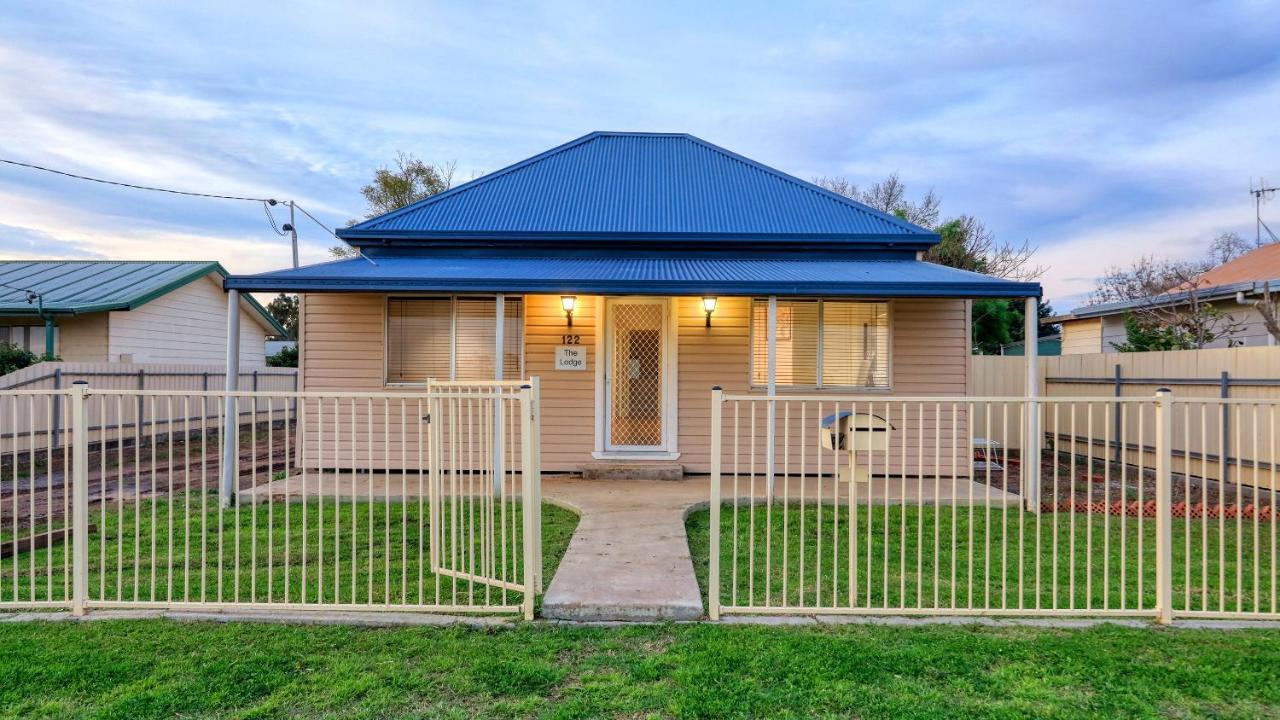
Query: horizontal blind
pixel 475 336
pixel 855 344
pixel 513 339
pixel 797 346
pixel 418 332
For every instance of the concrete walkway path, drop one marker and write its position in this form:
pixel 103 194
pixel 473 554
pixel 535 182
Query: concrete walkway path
pixel 629 558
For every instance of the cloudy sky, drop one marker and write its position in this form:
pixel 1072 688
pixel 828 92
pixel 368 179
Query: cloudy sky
pixel 1096 132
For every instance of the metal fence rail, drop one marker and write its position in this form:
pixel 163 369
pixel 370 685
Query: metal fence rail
pixel 875 505
pixel 360 501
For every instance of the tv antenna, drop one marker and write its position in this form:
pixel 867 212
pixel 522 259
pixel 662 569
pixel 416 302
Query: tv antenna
pixel 1261 194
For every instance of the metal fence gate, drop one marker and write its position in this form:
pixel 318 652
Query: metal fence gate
pixel 1155 507
pixel 425 500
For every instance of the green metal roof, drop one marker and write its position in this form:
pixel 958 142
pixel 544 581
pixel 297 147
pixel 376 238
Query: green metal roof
pixel 77 287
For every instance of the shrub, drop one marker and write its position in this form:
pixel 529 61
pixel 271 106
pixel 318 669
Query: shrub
pixel 14 358
pixel 287 357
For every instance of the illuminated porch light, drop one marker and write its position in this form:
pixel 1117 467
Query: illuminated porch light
pixel 568 302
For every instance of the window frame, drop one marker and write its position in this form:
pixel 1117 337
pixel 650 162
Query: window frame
pixel 453 334
pixel 751 344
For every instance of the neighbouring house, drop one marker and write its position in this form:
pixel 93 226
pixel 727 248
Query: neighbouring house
pixel 130 312
pixel 632 272
pixel 1231 287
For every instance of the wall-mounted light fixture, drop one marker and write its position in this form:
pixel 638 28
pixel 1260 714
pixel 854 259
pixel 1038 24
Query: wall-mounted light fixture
pixel 708 306
pixel 568 302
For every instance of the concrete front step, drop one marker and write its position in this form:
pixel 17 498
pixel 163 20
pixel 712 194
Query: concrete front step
pixel 632 470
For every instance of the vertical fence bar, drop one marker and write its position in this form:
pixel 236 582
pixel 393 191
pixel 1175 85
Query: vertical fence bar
pixel 713 571
pixel 80 499
pixel 1164 519
pixel 529 476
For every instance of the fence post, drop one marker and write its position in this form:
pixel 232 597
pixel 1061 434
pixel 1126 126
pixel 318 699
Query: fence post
pixel 1224 392
pixel 1164 509
pixel 142 385
pixel 79 498
pixel 1118 391
pixel 57 410
pixel 529 476
pixel 713 530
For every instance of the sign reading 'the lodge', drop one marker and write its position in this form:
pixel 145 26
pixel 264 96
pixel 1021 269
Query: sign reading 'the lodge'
pixel 571 357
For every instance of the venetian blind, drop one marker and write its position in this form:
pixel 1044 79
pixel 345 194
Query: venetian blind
pixel 797 345
pixel 418 339
pixel 855 344
pixel 852 348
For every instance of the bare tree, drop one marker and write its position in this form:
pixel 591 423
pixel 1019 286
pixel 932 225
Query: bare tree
pixel 964 241
pixel 408 182
pixel 1169 305
pixel 1228 246
pixel 888 196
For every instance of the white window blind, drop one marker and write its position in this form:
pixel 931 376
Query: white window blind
pixel 451 338
pixel 846 342
pixel 855 344
pixel 418 339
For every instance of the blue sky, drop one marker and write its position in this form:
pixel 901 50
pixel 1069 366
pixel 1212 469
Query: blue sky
pixel 1096 131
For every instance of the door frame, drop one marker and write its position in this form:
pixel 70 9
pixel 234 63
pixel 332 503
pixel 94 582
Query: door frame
pixel 669 449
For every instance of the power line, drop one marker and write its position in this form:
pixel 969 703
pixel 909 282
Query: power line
pixel 266 202
pixel 131 185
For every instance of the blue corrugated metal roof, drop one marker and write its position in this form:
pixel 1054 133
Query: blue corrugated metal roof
pixel 646 185
pixel 69 287
pixel 638 275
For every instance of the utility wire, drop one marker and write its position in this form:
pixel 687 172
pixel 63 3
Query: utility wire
pixel 266 202
pixel 130 185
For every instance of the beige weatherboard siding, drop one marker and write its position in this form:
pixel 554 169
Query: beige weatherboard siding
pixel 344 341
pixel 1081 337
pixel 187 325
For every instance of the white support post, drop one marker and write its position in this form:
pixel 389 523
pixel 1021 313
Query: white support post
pixel 1031 444
pixel 1164 508
pixel 771 433
pixel 79 497
pixel 231 416
pixel 713 570
pixel 529 478
pixel 499 329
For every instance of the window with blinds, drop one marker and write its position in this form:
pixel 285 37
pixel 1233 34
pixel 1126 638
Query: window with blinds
pixel 823 343
pixel 451 338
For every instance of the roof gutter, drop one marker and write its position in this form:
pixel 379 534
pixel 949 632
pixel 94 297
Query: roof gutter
pixel 252 283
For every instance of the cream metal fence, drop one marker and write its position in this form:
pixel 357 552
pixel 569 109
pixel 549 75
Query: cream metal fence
pixel 893 505
pixel 48 424
pixel 422 501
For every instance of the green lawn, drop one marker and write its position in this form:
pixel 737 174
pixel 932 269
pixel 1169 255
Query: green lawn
pixel 158 550
pixel 905 571
pixel 160 669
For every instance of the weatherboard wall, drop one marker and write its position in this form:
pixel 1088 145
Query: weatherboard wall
pixel 343 349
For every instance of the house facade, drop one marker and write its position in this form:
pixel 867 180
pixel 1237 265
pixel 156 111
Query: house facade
pixel 631 273
pixel 127 312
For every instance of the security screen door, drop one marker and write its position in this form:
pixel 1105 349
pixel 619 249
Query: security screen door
pixel 636 343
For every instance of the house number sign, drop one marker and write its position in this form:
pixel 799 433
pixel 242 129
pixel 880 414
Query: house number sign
pixel 571 357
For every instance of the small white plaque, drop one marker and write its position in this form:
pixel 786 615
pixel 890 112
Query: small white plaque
pixel 571 357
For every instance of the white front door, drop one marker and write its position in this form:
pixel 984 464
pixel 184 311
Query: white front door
pixel 637 375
